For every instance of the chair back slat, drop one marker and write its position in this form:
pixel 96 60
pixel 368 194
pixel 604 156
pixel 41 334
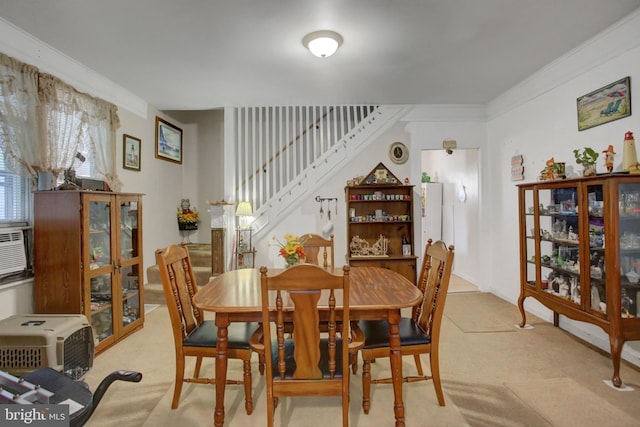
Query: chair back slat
pixel 179 285
pixel 434 284
pixel 319 250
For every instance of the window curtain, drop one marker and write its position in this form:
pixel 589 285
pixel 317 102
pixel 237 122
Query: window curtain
pixel 19 127
pixel 48 122
pixel 63 120
pixel 100 137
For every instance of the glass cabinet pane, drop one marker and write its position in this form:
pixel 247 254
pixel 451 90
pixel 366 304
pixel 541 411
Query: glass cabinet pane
pixel 128 229
pixel 530 225
pixel 101 306
pixel 629 211
pixel 130 294
pixel 560 242
pixel 597 279
pixel 99 234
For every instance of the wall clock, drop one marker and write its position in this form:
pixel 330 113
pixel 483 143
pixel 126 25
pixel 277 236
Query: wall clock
pixel 399 153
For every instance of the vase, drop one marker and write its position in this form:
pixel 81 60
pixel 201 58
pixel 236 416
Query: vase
pixel 290 262
pixel 589 170
pixel 187 226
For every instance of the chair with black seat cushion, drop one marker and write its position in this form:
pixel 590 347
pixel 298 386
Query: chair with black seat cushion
pixel 419 334
pixel 318 250
pixel 309 362
pixel 193 335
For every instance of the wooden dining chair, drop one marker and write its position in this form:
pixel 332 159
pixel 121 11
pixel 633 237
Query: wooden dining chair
pixel 308 362
pixel 194 336
pixel 419 334
pixel 318 249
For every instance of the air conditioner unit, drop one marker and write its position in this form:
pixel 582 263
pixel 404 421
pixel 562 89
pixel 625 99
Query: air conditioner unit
pixel 12 254
pixel 63 342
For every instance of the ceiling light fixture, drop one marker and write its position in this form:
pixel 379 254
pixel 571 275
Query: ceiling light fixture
pixel 322 43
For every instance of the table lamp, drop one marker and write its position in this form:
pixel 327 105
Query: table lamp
pixel 244 211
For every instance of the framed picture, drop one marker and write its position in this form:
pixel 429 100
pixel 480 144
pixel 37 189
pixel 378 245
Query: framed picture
pixel 399 153
pixel 611 102
pixel 168 141
pixel 131 152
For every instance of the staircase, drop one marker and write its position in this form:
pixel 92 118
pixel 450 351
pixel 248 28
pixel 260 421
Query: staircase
pixel 200 254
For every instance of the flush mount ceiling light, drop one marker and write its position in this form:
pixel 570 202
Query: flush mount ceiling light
pixel 322 43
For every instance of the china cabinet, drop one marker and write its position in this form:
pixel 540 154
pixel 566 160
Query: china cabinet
pixel 380 230
pixel 580 253
pixel 88 252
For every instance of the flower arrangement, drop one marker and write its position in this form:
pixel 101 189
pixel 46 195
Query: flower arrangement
pixel 188 218
pixel 292 249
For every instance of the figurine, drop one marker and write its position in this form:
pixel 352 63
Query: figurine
pixel 608 158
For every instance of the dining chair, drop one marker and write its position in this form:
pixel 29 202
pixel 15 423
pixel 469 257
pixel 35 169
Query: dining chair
pixel 419 334
pixel 318 249
pixel 193 335
pixel 308 362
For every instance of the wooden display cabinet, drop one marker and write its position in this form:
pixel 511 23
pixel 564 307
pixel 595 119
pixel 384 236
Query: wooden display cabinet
pixel 88 259
pixel 580 253
pixel 382 206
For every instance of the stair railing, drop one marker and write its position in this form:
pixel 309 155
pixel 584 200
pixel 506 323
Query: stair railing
pixel 275 144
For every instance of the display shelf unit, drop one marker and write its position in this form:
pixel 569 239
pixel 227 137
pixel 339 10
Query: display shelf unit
pixel 88 252
pixel 580 253
pixel 244 251
pixel 382 206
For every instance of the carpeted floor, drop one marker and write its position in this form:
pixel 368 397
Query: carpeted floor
pixel 537 377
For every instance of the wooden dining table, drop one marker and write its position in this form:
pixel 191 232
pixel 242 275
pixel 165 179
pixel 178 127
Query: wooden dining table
pixel 375 294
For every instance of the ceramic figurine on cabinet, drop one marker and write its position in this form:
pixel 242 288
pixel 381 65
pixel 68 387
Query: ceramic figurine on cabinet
pixel 608 158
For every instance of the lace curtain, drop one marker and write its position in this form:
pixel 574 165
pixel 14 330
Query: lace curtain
pixel 53 123
pixel 18 109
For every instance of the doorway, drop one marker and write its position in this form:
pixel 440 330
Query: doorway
pixel 458 176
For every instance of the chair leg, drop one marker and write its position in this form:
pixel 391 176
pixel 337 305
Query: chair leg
pixel 435 374
pixel 353 361
pixel 270 411
pixel 177 388
pixel 261 363
pixel 416 357
pixel 248 398
pixel 196 371
pixel 366 385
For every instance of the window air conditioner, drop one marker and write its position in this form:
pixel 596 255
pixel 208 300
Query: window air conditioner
pixel 12 254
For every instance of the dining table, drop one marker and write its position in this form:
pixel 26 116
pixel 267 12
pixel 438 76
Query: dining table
pixel 375 294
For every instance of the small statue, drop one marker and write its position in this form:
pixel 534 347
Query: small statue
pixel 608 158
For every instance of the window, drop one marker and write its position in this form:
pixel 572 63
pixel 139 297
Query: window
pixel 14 197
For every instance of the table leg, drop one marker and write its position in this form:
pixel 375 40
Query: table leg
pixel 396 366
pixel 222 322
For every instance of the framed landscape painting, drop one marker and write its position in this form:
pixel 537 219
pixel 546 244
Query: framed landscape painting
pixel 168 141
pixel 611 102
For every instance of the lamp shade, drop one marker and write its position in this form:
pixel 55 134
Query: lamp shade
pixel 322 43
pixel 244 209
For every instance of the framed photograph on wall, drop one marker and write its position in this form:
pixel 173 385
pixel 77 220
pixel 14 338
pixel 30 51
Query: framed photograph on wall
pixel 131 152
pixel 168 141
pixel 609 103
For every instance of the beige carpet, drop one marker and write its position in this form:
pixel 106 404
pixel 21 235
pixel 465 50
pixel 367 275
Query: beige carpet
pixel 481 374
pixel 489 314
pixel 555 396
